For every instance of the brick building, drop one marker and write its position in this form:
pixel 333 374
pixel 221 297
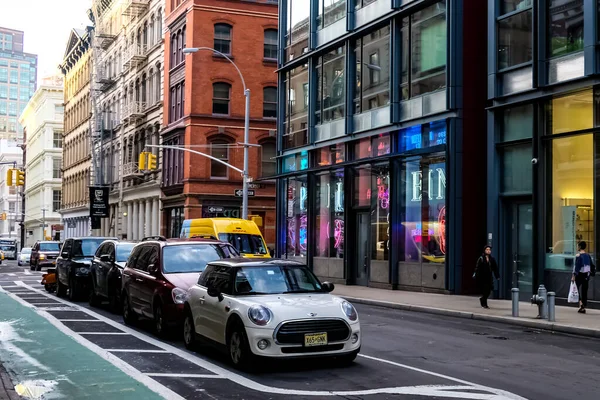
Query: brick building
pixel 204 109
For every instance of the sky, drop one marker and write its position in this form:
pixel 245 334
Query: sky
pixel 47 25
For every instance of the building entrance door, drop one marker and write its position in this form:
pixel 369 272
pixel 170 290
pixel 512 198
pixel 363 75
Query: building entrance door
pixel 520 247
pixel 362 260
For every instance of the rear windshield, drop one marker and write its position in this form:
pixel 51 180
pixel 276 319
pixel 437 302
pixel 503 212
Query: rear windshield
pixel 26 250
pixel 193 258
pixel 123 251
pixel 244 243
pixel 86 248
pixel 49 246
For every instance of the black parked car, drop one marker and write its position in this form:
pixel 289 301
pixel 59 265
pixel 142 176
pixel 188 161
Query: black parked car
pixel 106 271
pixel 73 265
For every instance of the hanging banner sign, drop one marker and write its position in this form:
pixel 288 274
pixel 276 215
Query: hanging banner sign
pixel 99 202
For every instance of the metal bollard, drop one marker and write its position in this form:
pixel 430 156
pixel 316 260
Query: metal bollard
pixel 551 306
pixel 515 302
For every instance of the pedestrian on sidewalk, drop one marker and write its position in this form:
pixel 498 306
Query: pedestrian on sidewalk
pixel 485 272
pixel 581 275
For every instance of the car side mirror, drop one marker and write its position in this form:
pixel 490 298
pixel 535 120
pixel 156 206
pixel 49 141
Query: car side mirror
pixel 328 286
pixel 105 258
pixel 214 292
pixel 64 254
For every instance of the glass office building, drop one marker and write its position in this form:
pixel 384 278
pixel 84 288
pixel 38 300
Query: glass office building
pixel 18 77
pixel 381 153
pixel 543 139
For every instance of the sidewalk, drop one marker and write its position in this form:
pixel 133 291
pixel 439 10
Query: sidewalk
pixel 7 388
pixel 567 318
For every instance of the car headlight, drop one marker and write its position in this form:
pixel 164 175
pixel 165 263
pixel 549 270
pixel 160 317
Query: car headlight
pixel 260 315
pixel 42 257
pixel 179 295
pixel 350 311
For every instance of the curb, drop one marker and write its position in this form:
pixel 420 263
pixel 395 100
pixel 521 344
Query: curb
pixel 528 323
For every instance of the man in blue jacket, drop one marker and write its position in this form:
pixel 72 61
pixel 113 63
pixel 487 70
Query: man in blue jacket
pixel 581 275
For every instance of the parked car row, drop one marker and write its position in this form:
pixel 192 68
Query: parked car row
pixel 203 290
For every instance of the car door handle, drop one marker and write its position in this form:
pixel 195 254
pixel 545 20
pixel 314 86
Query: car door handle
pixel 139 280
pixel 202 299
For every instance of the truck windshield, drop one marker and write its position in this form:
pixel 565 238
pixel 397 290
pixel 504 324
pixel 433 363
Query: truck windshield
pixel 49 246
pixel 244 243
pixel 8 248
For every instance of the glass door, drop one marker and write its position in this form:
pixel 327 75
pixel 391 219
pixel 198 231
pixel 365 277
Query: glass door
pixel 520 245
pixel 363 225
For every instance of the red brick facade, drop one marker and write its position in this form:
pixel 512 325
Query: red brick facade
pixel 196 193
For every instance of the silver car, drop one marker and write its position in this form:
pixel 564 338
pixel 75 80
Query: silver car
pixel 24 256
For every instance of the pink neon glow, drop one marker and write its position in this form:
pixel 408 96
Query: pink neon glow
pixel 338 233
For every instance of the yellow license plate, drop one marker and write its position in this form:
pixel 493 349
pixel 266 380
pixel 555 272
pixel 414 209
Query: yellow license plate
pixel 53 262
pixel 315 339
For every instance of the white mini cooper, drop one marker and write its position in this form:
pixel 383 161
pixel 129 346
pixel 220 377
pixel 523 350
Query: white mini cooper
pixel 271 308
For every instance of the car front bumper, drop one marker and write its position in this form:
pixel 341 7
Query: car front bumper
pixel 276 350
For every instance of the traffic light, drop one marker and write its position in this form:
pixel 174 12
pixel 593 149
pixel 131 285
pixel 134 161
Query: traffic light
pixel 3 216
pixel 20 177
pixel 142 161
pixel 151 158
pixel 9 177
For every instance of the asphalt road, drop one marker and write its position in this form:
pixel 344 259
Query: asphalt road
pixel 405 355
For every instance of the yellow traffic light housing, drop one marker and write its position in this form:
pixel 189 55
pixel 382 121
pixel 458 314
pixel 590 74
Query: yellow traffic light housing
pixel 3 216
pixel 9 177
pixel 142 161
pixel 151 159
pixel 20 178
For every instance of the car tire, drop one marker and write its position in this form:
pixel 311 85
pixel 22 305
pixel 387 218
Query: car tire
pixel 238 347
pixel 31 267
pixel 189 331
pixel 113 303
pixel 348 359
pixel 61 289
pixel 129 316
pixel 38 268
pixel 160 325
pixel 93 299
pixel 74 290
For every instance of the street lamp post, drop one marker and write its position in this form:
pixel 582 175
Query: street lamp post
pixel 246 144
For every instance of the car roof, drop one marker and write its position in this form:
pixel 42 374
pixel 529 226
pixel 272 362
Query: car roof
pixel 245 262
pixel 48 241
pixel 182 241
pixel 92 238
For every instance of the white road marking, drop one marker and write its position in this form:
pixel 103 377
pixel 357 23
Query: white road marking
pixel 75 320
pixel 135 351
pixel 102 333
pixel 11 274
pixel 427 390
pixel 203 376
pixel 116 361
pixel 27 272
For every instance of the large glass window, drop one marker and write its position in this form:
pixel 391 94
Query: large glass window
pixel 515 39
pixel 572 200
pixel 330 11
pixel 422 136
pixel 380 215
pixel 331 84
pixel 517 123
pixel 329 225
pixel 270 45
pixel 297 28
pixel 571 113
pixel 372 70
pixel 565 27
pixel 516 169
pixel 219 149
pixel 221 93
pixel 296 217
pixel 3 92
pixel 296 110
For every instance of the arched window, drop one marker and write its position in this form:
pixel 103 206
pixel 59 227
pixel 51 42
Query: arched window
pixel 221 93
pixel 268 163
pixel 222 41
pixel 173 62
pixel 270 51
pixel 270 102
pixel 158 26
pixel 144 89
pixel 219 149
pixel 151 35
pixel 157 82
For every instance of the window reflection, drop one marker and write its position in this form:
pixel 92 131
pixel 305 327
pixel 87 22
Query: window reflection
pixel 297 25
pixel 296 217
pixel 380 216
pixel 331 86
pixel 330 215
pixel 330 11
pixel 565 27
pixel 372 70
pixel 514 40
pixel 296 111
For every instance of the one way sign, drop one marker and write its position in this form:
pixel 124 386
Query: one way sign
pixel 240 193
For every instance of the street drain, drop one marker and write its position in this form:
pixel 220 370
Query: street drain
pixel 498 337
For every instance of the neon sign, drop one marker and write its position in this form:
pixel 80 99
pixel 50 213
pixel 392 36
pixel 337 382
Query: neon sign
pixel 417 184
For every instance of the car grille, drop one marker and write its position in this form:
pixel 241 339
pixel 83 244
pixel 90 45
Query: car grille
pixel 293 332
pixel 315 349
pixel 51 257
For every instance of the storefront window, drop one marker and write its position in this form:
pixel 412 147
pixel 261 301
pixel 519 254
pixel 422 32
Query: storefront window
pixel 572 201
pixel 517 123
pixel 423 211
pixel 572 113
pixel 362 186
pixel 372 71
pixel 296 162
pixel 422 136
pixel 296 110
pixel 331 155
pixel 516 169
pixel 330 215
pixel 296 216
pixel 374 146
pixel 380 217
pixel 331 94
pixel 565 27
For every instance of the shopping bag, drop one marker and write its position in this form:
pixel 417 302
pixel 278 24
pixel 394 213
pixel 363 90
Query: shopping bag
pixel 573 294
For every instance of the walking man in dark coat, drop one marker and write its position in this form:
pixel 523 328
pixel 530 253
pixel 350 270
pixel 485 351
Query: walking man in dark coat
pixel 485 272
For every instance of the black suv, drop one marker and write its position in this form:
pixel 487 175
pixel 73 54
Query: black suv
pixel 73 265
pixel 44 254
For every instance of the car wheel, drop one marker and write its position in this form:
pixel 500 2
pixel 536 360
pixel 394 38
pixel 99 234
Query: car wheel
pixel 114 303
pixel 238 347
pixel 129 316
pixel 189 331
pixel 93 300
pixel 19 263
pixel 31 267
pixel 160 325
pixel 61 290
pixel 73 290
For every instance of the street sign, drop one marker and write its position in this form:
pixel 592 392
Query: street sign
pixel 255 186
pixel 215 209
pixel 240 193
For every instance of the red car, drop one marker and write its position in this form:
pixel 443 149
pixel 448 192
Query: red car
pixel 159 273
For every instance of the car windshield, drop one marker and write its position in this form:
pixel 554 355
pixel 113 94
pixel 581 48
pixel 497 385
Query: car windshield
pixel 193 257
pixel 50 246
pixel 276 279
pixel 26 250
pixel 246 244
pixel 86 247
pixel 123 251
pixel 8 248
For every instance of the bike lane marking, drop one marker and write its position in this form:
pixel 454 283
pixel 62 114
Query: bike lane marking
pixel 447 391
